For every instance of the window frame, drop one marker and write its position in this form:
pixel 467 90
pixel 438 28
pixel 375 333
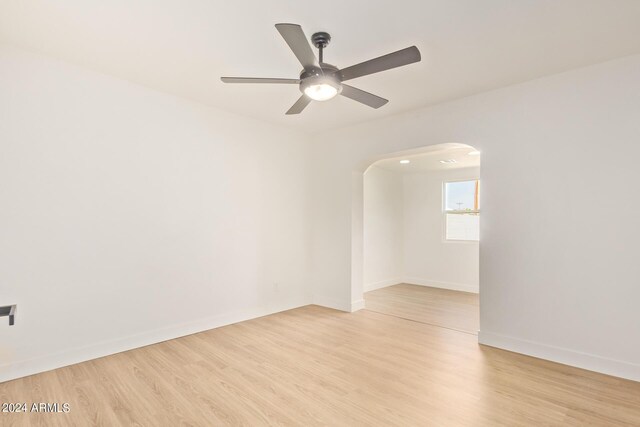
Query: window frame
pixel 445 212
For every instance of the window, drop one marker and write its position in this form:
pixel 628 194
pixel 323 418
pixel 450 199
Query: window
pixel 462 210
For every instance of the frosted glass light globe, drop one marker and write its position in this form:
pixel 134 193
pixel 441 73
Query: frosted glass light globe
pixel 320 92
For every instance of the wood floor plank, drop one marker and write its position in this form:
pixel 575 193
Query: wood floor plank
pixel 440 307
pixel 315 366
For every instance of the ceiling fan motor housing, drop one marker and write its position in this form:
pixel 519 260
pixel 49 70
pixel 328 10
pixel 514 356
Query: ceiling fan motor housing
pixel 327 74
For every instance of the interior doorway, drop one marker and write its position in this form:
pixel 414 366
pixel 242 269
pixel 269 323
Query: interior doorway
pixel 421 238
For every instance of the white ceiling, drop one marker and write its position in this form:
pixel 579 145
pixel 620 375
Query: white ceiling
pixel 430 160
pixel 183 47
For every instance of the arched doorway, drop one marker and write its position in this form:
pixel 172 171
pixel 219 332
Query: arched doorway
pixel 416 235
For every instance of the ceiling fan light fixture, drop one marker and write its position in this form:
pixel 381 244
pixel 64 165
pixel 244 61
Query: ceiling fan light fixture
pixel 320 92
pixel 320 87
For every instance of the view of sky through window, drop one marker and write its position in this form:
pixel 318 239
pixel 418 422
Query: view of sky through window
pixel 460 195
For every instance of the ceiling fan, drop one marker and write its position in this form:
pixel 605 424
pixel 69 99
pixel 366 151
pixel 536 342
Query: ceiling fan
pixel 320 81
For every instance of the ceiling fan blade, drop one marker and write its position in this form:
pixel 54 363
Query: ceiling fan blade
pixel 382 63
pixel 297 41
pixel 258 80
pixel 366 98
pixel 300 105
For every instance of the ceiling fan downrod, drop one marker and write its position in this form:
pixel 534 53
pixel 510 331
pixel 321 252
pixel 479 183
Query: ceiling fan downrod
pixel 320 40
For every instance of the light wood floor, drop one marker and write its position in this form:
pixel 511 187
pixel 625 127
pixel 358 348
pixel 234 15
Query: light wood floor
pixel 316 366
pixel 439 307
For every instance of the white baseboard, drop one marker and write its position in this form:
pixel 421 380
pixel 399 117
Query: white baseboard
pixel 381 284
pixel 332 303
pixel 616 368
pixel 442 285
pixel 357 305
pixel 82 354
pixel 348 307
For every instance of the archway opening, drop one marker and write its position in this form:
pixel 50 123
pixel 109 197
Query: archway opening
pixel 420 241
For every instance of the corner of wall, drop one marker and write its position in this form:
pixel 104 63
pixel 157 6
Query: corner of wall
pixel 357 305
pixel 333 303
pixel 382 284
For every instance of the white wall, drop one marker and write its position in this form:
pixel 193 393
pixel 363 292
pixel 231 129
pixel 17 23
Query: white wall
pixel 558 274
pixel 383 228
pixel 429 259
pixel 403 226
pixel 129 216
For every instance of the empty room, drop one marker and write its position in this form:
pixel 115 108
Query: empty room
pixel 421 232
pixel 364 213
